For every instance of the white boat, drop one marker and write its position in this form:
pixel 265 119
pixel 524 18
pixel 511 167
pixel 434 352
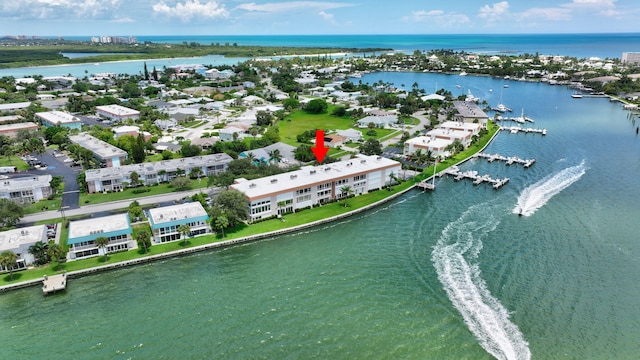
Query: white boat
pixel 471 98
pixel 464 73
pixel 576 96
pixel 501 108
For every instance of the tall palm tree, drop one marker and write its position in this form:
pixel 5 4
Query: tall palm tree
pixel 346 191
pixel 221 223
pixel 143 240
pixel 8 260
pixel 135 177
pixel 102 242
pixel 184 230
pixel 56 252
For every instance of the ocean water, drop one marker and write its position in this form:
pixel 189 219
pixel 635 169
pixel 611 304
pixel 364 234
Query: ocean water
pixel 450 274
pixel 575 45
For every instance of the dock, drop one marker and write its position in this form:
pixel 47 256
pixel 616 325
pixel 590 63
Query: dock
pixel 54 283
pixel 517 129
pixel 509 160
pixel 477 179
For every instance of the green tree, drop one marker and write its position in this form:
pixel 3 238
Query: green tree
pixel 102 242
pixel 346 191
pixel 10 213
pixel 135 211
pixel 275 156
pixel 135 178
pixel 8 260
pixel 185 231
pixel 221 223
pixel 138 147
pixel 316 106
pixel 181 183
pixel 371 147
pixel 233 203
pixel 39 252
pixel 144 240
pixel 56 252
pixel 264 118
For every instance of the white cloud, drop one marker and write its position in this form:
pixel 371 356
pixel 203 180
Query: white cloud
pixel 600 7
pixel 545 14
pixel 192 9
pixel 438 16
pixel 495 12
pixel 291 6
pixel 60 9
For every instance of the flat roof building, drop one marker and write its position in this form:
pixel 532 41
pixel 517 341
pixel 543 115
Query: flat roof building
pixel 83 234
pixel 11 130
pixel 117 112
pixel 165 221
pixel 311 185
pixel 59 118
pixel 470 112
pixel 115 179
pixel 436 146
pixel 11 107
pixel 27 189
pixel 106 153
pixel 631 58
pixel 19 240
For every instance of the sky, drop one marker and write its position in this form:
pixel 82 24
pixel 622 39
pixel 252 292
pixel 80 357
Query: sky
pixel 273 17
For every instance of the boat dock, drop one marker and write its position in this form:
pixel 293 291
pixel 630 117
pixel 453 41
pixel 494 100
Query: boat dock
pixel 509 160
pixel 517 129
pixel 53 283
pixel 473 175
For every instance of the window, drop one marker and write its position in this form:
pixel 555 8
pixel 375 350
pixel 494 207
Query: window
pixel 303 191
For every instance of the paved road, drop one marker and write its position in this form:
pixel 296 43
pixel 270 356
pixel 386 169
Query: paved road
pixel 105 208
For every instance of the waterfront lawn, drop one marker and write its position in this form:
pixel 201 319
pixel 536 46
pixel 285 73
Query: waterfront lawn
pixel 129 193
pixel 290 220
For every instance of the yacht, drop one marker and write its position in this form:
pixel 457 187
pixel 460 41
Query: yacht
pixel 471 98
pixel 576 95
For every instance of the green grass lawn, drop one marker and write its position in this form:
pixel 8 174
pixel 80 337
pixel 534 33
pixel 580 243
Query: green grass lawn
pixel 128 193
pixel 301 121
pixel 14 160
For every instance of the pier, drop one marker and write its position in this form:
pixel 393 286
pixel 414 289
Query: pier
pixel 53 283
pixel 473 175
pixel 509 160
pixel 517 129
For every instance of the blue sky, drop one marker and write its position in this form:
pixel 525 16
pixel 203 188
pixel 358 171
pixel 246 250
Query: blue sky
pixel 240 17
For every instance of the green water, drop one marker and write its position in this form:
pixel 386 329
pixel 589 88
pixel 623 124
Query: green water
pixel 453 274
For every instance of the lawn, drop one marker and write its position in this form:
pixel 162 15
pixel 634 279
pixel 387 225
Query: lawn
pixel 300 121
pixel 129 194
pixel 14 160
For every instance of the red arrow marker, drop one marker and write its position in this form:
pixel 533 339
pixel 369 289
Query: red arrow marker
pixel 320 150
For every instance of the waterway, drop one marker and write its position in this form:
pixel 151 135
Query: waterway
pixel 450 274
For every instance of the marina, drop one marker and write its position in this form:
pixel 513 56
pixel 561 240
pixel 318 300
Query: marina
pixel 509 160
pixel 517 129
pixel 473 175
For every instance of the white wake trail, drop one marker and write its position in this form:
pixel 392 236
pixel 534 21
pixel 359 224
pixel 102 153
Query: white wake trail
pixel 535 196
pixel 453 257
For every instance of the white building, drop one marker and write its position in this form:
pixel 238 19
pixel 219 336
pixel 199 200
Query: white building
pixel 165 221
pixel 27 189
pixel 104 152
pixel 311 185
pixel 83 234
pixel 115 179
pixel 59 118
pixel 19 240
pixel 426 144
pixel 117 112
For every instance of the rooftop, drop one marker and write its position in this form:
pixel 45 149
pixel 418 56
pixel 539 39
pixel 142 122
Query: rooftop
pixel 12 239
pixel 89 229
pixel 469 109
pixel 57 117
pixel 168 214
pixel 118 110
pixel 101 148
pixel 309 175
pixel 24 183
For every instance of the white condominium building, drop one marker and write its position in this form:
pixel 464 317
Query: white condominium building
pixel 311 185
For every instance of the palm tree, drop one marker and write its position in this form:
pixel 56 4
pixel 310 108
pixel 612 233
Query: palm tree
pixel 393 179
pixel 195 173
pixel 275 156
pixel 346 191
pixel 221 223
pixel 102 242
pixel 56 252
pixel 251 156
pixel 184 230
pixel 135 177
pixel 8 260
pixel 143 240
pixel 39 252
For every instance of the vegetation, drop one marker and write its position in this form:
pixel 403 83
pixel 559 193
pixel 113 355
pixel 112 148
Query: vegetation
pixel 10 213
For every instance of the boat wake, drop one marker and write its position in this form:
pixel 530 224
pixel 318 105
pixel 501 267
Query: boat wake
pixel 535 196
pixel 454 259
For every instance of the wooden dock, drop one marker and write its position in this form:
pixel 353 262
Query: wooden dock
pixel 517 129
pixel 477 179
pixel 53 283
pixel 509 160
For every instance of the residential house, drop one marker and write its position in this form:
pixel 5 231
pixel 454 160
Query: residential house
pixel 117 112
pixel 351 134
pixel 11 130
pixel 166 220
pixel 227 134
pixel 59 118
pixel 378 121
pixel 334 140
pixel 19 240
